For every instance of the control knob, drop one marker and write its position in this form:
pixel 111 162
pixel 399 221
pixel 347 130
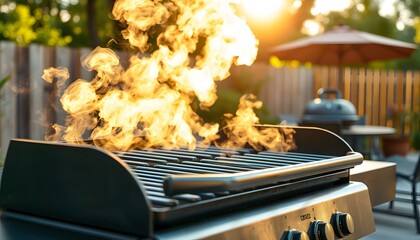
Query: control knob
pixel 343 224
pixel 322 230
pixel 294 234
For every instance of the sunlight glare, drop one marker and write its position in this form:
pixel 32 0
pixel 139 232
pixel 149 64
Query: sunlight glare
pixel 311 27
pixel 326 6
pixel 262 9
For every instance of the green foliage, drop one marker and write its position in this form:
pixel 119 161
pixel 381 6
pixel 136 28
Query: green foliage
pixel 58 23
pixel 417 27
pixel 24 27
pixel 415 130
pixel 415 140
pixel 3 81
pixel 18 25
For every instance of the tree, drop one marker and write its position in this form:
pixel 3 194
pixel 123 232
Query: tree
pixel 77 23
pixel 24 26
pixel 364 15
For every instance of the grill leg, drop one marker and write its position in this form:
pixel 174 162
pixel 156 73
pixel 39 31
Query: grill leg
pixel 415 208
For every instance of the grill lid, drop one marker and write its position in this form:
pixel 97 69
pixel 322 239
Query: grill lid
pixel 323 109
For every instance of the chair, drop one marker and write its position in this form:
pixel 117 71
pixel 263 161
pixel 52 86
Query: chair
pixel 408 171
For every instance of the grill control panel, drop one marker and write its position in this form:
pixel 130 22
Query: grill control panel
pixel 342 212
pixel 294 234
pixel 343 224
pixel 322 230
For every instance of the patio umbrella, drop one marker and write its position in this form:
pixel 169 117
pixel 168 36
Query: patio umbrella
pixel 341 46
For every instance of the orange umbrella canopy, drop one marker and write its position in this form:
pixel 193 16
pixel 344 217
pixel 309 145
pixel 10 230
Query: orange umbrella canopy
pixel 343 45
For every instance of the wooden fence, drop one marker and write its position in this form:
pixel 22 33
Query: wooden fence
pixel 29 104
pixel 372 91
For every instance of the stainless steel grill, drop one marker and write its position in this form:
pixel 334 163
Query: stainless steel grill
pixel 158 193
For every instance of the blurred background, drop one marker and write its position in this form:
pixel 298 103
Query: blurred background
pixel 37 34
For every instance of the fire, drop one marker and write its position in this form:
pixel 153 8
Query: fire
pixel 242 129
pixel 148 104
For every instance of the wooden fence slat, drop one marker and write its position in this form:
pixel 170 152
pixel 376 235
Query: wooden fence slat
pixel 399 96
pixel 85 74
pixel 408 95
pixel 416 92
pixel 347 83
pixel 383 98
pixel 8 95
pixel 390 94
pixel 279 85
pixel 308 95
pixel 263 91
pixel 49 98
pixel 333 77
pixel 304 94
pixel 325 77
pixel 369 95
pixel 287 85
pixel 22 90
pixel 295 85
pixel 317 81
pixel 270 93
pixel 361 100
pixel 408 90
pixel 354 80
pixel 37 105
pixel 376 97
pixel 63 57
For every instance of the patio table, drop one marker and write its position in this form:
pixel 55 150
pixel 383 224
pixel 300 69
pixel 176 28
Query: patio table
pixel 355 133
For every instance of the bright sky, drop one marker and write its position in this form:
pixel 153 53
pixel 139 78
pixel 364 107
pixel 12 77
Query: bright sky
pixel 263 10
pixel 266 10
pixel 326 6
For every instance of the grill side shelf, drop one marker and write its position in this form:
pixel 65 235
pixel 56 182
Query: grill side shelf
pixel 74 183
pixel 197 183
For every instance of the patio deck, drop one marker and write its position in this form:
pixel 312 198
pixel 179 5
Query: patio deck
pixel 389 226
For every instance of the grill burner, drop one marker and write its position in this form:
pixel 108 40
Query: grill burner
pixel 144 192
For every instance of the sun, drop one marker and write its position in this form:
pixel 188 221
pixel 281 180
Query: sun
pixel 262 10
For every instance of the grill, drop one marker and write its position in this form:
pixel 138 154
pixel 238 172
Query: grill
pixel 209 192
pixel 323 110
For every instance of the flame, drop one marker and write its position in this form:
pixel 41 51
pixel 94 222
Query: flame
pixel 243 129
pixel 59 75
pixel 148 104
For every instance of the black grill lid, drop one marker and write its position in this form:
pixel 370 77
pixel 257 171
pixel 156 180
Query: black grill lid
pixel 323 109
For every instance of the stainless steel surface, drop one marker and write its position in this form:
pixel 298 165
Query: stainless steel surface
pixel 367 130
pixel 307 203
pixel 356 134
pixel 194 183
pixel 273 220
pixel 379 177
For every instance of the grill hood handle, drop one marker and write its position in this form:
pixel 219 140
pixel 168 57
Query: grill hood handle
pixel 322 93
pixel 201 183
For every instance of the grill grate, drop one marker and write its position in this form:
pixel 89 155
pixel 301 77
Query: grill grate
pixel 152 167
pixel 164 188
